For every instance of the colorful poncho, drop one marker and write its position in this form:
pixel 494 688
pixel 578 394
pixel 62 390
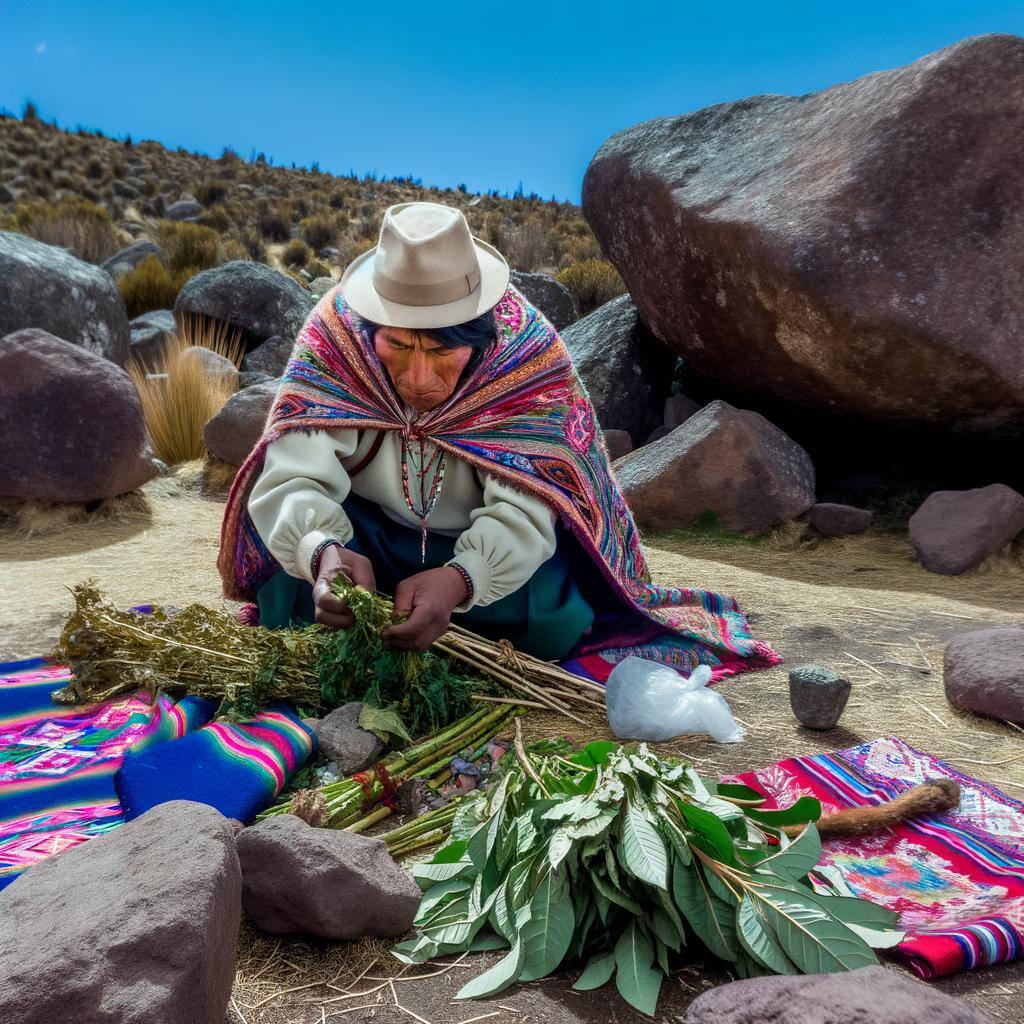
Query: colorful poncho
pixel 521 414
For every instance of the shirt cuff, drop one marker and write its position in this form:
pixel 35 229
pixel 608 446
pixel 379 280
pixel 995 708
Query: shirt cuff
pixel 479 572
pixel 306 547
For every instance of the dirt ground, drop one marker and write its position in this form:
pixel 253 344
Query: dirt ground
pixel 858 604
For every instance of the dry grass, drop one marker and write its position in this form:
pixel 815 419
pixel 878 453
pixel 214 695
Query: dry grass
pixel 593 282
pixel 178 395
pixel 75 223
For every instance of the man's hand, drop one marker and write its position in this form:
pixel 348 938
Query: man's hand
pixel 428 599
pixel 331 610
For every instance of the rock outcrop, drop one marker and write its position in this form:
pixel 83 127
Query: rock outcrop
pixel 804 249
pixel 983 672
pixel 551 297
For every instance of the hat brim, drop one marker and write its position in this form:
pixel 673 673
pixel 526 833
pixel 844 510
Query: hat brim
pixel 357 289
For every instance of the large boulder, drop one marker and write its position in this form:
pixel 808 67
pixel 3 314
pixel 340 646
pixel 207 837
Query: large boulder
pixel 320 881
pixel 150 334
pixel 728 461
pixel 869 995
pixel 254 298
pixel 804 248
pixel 236 428
pixel 550 296
pixel 125 261
pixel 834 520
pixel 270 357
pixel 954 531
pixel 627 373
pixel 983 672
pixel 71 426
pixel 45 286
pixel 139 926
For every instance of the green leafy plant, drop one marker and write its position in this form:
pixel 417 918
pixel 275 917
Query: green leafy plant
pixel 619 861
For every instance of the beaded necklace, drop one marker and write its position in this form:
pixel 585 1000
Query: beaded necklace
pixel 435 465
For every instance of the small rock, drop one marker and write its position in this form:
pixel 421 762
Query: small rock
pixel 321 881
pixel 868 995
pixel 138 926
pixel 832 520
pixel 551 297
pixel 214 365
pixel 248 380
pixel 618 443
pixel 984 672
pixel 150 334
pixel 184 209
pixel 817 696
pixel 343 740
pixel 954 531
pixel 678 409
pixel 234 431
pixel 125 261
pixel 271 357
pixel 728 461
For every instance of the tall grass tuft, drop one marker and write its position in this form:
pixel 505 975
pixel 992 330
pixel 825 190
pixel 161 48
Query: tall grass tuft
pixel 151 285
pixel 179 396
pixel 592 283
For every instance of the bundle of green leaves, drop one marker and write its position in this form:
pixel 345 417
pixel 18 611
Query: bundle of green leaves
pixel 622 862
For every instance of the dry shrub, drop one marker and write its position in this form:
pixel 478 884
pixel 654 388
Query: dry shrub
pixel 527 247
pixel 349 248
pixel 274 227
pixel 179 396
pixel 151 285
pixel 191 247
pixel 592 283
pixel 318 232
pixel 296 254
pixel 74 223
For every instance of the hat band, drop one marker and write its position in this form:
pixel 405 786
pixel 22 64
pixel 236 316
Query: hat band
pixel 438 294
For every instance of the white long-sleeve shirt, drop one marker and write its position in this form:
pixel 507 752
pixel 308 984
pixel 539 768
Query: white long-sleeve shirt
pixel 503 534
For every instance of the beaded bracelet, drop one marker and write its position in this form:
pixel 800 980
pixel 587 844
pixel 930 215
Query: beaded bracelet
pixel 314 559
pixel 465 575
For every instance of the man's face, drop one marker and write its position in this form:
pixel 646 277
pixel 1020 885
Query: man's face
pixel 423 372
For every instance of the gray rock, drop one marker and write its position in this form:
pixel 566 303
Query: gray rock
pixel 983 671
pixel 46 287
pixel 728 461
pixel 847 277
pixel 214 365
pixel 150 334
pixel 618 443
pixel 627 373
pixel 832 520
pixel 234 431
pixel 71 425
pixel 869 995
pixel 678 409
pixel 660 431
pixel 954 531
pixel 248 379
pixel 550 296
pixel 321 286
pixel 257 299
pixel 138 926
pixel 184 209
pixel 818 696
pixel 342 739
pixel 321 881
pixel 127 260
pixel 271 357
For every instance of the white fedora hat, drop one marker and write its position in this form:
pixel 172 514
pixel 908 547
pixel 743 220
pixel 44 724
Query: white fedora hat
pixel 426 270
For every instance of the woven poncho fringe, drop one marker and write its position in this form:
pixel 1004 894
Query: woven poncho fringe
pixel 521 414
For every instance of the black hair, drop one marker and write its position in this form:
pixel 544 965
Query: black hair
pixel 479 334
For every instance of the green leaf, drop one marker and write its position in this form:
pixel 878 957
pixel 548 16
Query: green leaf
pixel 546 936
pixel 797 859
pixel 643 850
pixel 853 910
pixel 496 978
pixel 617 896
pixel 814 941
pixel 758 939
pixel 598 972
pixel 636 979
pixel 417 950
pixel 383 722
pixel 559 846
pixel 439 894
pixel 661 954
pixel 877 938
pixel 712 921
pixel 486 941
pixel 595 755
pixel 709 833
pixel 804 810
pixel 426 874
pixel 737 791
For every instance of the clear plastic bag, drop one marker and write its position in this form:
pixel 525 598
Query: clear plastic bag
pixel 648 701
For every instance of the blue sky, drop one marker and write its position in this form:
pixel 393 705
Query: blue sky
pixel 489 94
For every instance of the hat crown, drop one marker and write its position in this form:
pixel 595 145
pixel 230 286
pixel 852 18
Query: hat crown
pixel 424 244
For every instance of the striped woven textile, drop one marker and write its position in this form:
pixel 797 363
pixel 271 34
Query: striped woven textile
pixel 956 880
pixel 523 415
pixel 57 763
